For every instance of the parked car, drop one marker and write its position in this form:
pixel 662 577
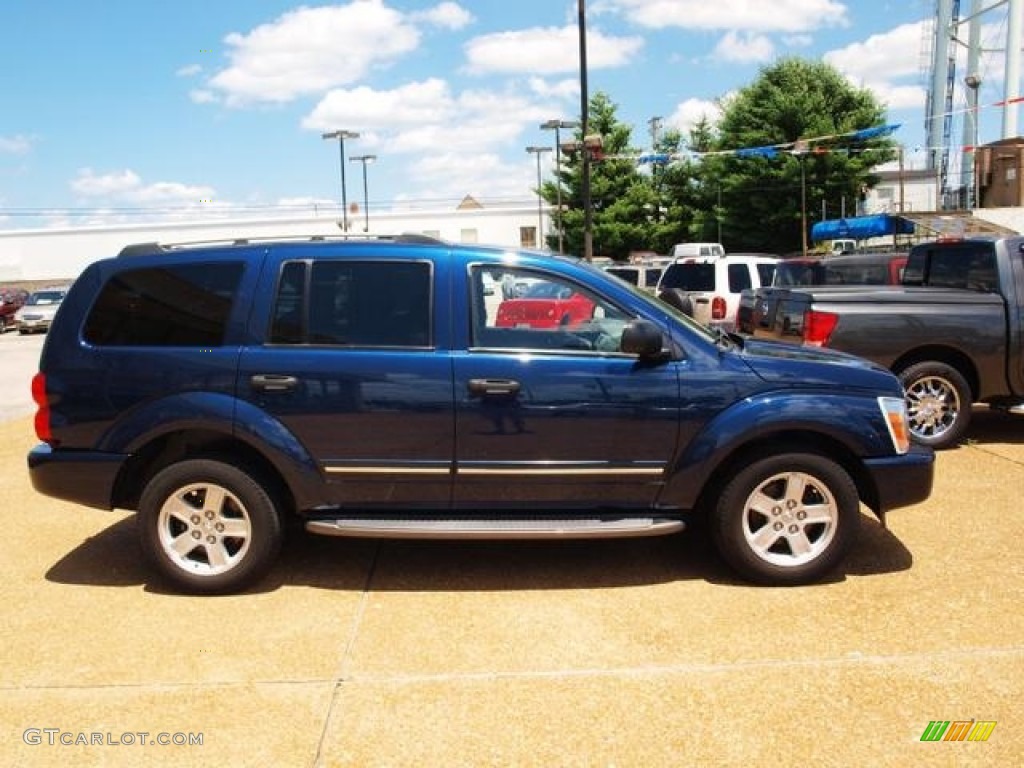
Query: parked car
pixel 11 300
pixel 953 331
pixel 365 388
pixel 39 309
pixel 545 305
pixel 644 276
pixel 703 250
pixel 758 305
pixel 709 288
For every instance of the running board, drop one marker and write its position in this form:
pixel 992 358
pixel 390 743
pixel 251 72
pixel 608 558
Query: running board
pixel 504 528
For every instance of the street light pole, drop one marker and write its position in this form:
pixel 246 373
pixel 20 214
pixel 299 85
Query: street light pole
pixel 799 151
pixel 588 213
pixel 555 125
pixel 538 151
pixel 364 159
pixel 341 136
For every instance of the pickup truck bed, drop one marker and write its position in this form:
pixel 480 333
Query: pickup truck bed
pixel 951 332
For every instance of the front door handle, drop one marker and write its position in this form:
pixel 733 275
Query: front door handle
pixel 273 382
pixel 485 387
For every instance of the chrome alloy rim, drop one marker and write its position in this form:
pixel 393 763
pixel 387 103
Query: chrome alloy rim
pixel 932 406
pixel 204 529
pixel 790 519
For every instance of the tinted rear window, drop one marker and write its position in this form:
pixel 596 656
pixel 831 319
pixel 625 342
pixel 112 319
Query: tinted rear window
pixel 353 303
pixel 184 305
pixel 689 277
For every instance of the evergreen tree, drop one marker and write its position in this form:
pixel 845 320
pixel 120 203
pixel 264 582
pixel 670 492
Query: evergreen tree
pixel 792 100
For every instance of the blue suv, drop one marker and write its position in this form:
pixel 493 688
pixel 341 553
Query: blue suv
pixel 367 387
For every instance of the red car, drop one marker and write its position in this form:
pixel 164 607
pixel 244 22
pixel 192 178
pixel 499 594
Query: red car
pixel 11 300
pixel 545 305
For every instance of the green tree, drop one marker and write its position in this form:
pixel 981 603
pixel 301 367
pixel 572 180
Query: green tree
pixel 630 212
pixel 791 101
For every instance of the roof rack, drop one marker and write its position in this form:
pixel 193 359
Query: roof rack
pixel 152 248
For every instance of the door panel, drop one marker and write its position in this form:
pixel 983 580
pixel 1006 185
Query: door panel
pixel 555 415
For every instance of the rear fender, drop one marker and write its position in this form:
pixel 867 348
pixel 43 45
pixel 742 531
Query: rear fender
pixel 217 413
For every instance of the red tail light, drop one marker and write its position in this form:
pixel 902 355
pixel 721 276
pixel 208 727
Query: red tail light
pixel 718 308
pixel 42 408
pixel 818 327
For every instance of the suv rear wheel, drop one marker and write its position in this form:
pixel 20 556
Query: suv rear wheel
pixel 786 519
pixel 208 526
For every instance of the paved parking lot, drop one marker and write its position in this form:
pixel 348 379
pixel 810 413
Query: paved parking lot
pixel 621 653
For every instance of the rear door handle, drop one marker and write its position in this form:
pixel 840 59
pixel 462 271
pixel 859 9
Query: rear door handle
pixel 485 387
pixel 273 382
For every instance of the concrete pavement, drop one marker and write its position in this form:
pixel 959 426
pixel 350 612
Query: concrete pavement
pixel 628 653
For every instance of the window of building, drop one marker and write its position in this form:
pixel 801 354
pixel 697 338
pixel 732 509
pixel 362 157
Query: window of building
pixel 468 236
pixel 528 237
pixel 184 305
pixel 352 303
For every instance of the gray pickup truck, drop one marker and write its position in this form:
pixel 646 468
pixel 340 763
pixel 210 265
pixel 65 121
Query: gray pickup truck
pixel 953 331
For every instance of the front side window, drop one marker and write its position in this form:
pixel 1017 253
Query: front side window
pixel 185 305
pixel 541 311
pixel 353 303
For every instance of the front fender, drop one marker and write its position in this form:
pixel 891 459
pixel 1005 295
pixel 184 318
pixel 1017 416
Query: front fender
pixel 852 422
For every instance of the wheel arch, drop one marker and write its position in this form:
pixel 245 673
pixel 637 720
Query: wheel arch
pixel 950 356
pixel 790 441
pixel 193 443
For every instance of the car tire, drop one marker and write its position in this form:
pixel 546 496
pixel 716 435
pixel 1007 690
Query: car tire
pixel 938 403
pixel 786 520
pixel 208 526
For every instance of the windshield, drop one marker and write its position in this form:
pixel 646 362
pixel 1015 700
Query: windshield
pixel 42 298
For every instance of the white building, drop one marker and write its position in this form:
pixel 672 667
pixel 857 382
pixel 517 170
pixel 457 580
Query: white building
pixel 61 254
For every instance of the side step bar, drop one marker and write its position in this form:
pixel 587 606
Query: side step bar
pixel 504 528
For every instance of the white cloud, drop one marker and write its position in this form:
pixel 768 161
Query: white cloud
pixel 190 71
pixel 560 89
pixel 447 175
pixel 797 41
pixel 737 15
pixel 690 112
pixel 881 58
pixel 426 116
pixel 15 145
pixel 309 50
pixel 900 96
pixel 447 15
pixel 202 96
pixel 88 184
pixel 429 101
pixel 548 50
pixel 744 47
pixel 126 186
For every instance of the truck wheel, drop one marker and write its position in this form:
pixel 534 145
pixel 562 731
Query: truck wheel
pixel 786 519
pixel 208 526
pixel 938 403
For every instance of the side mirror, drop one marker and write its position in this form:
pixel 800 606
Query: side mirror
pixel 642 338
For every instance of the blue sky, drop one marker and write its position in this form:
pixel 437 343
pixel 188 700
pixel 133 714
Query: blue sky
pixel 131 110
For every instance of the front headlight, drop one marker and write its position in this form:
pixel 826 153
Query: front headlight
pixel 894 411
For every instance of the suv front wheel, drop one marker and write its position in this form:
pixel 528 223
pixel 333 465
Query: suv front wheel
pixel 787 519
pixel 208 526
